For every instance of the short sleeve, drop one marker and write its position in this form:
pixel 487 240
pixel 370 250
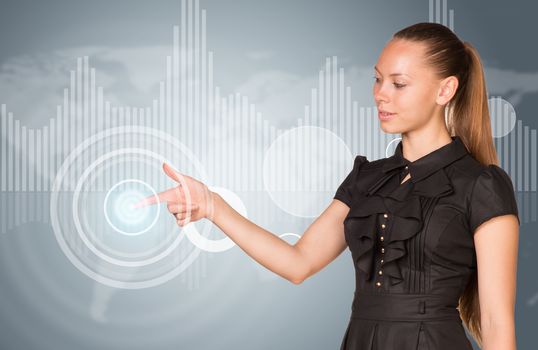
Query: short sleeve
pixel 492 195
pixel 344 191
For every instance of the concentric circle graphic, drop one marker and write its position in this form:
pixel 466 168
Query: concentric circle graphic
pixel 94 220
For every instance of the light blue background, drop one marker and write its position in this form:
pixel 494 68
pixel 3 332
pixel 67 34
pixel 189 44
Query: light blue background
pixel 259 48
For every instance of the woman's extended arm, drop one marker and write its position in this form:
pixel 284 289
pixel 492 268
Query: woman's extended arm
pixel 321 243
pixel 496 244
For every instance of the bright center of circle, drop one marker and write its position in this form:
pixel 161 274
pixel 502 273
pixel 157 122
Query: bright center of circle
pixel 119 207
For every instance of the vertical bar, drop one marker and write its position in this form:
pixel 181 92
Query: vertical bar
pixel 73 124
pixel 349 128
pixel 175 82
pixel 60 135
pixel 18 155
pixel 335 96
pixel 362 130
pixel 4 134
pixel 92 130
pixel 108 117
pixel 183 132
pixel 114 123
pixel 223 163
pixel 204 120
pixel 526 161
pixel 31 161
pixel 190 45
pixel 533 160
pixel 334 119
pixel 444 13
pixel 53 139
pixel 86 101
pixel 519 155
pixel 506 148
pixel 196 80
pixel 512 170
pixel 10 151
pixel 314 105
pixel 45 171
pixel 24 151
pixel 100 110
pixel 65 130
pixel 341 116
pixel 244 138
pixel 252 146
pixel 321 99
pixel 92 102
pixel 169 94
pixel 259 142
pixel 121 139
pixel 328 93
pixel 132 116
pixel 211 97
pixel 37 168
pixel 79 121
pixel 233 121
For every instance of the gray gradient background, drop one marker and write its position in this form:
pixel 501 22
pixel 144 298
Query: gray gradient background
pixel 271 52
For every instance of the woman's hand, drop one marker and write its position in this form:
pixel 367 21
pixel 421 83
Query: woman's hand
pixel 190 201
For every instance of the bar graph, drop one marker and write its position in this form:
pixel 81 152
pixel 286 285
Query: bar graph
pixel 190 107
pixel 224 131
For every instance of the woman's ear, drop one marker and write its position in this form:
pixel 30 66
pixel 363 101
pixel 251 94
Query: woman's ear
pixel 447 90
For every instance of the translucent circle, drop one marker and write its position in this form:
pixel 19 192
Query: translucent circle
pixel 78 224
pixel 502 115
pixel 301 166
pixel 217 245
pixel 124 206
pixel 70 234
pixel 100 245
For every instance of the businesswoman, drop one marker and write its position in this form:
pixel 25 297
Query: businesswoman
pixel 432 229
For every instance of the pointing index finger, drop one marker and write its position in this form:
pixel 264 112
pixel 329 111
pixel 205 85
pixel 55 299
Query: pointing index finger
pixel 169 195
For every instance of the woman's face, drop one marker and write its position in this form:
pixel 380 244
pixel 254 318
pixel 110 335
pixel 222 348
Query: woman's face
pixel 404 86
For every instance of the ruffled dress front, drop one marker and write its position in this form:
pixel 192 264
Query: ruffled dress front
pixel 412 244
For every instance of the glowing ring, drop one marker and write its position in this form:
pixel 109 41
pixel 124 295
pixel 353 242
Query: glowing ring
pixel 57 186
pixel 80 230
pixel 110 250
pixel 114 226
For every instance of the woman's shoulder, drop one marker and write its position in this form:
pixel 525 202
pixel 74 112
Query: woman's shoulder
pixel 488 187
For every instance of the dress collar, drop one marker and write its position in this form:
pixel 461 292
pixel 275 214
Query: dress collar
pixel 428 164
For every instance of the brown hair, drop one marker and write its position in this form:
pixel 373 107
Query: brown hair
pixel 467 116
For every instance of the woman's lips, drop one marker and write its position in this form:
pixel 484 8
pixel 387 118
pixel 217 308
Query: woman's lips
pixel 386 116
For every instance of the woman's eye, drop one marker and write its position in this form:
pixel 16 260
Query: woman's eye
pixel 398 86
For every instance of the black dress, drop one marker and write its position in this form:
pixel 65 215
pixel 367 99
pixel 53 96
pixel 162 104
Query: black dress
pixel 412 244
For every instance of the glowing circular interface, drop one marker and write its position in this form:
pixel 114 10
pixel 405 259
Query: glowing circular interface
pixel 95 222
pixel 119 208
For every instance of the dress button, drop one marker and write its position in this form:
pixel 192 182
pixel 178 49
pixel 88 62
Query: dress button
pixel 385 216
pixel 381 238
pixel 382 250
pixel 382 225
pixel 407 167
pixel 382 261
pixel 378 284
pixel 380 272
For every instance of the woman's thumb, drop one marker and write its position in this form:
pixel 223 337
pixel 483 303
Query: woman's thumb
pixel 174 175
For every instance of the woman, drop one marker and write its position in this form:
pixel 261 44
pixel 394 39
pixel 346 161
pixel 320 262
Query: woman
pixel 433 229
